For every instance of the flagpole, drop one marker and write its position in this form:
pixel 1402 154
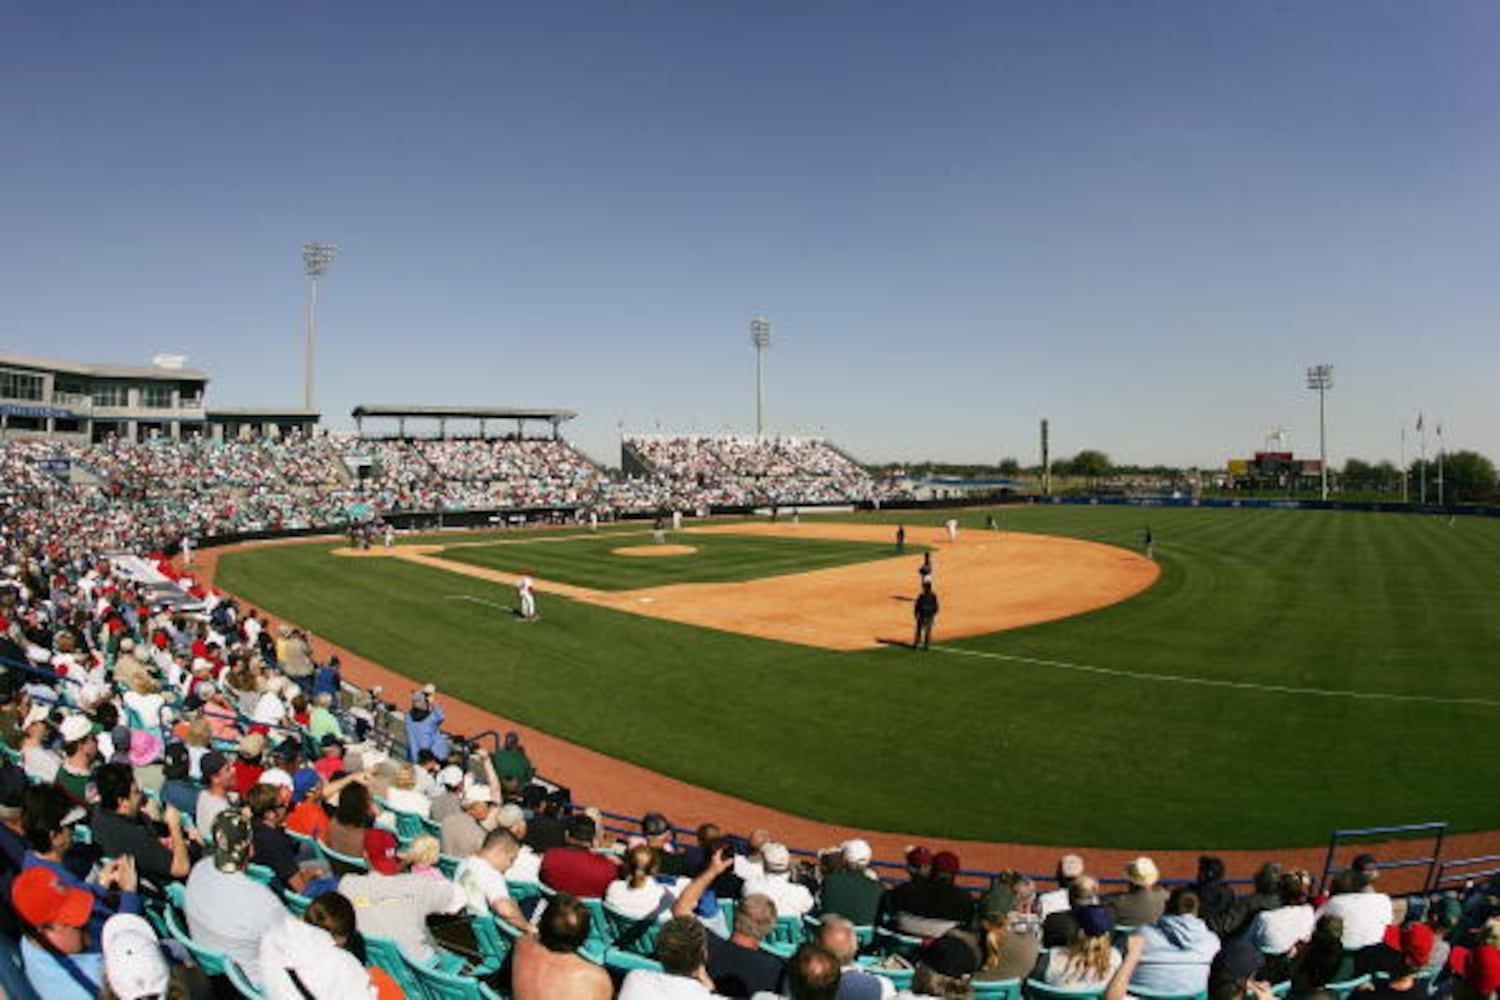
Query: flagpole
pixel 1405 477
pixel 1423 466
pixel 1440 462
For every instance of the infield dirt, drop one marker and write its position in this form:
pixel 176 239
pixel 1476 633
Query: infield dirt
pixel 987 581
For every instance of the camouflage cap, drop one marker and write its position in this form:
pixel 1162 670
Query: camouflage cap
pixel 232 839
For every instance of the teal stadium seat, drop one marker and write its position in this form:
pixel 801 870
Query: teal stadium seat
pixel 383 953
pixel 241 982
pixel 436 985
pixel 1035 989
pixel 996 989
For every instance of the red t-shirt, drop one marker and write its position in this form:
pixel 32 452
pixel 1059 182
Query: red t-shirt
pixel 246 775
pixel 578 871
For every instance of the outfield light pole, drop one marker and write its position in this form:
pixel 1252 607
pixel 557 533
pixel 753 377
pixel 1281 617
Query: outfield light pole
pixel 1320 380
pixel 315 258
pixel 760 336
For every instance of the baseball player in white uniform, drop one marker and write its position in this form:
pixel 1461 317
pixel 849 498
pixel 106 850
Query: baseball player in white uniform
pixel 952 525
pixel 526 588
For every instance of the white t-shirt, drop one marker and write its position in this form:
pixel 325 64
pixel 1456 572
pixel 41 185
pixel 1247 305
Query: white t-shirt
pixel 230 912
pixel 1061 973
pixel 640 902
pixel 1366 916
pixel 526 868
pixel 1274 932
pixel 1052 902
pixel 209 807
pixel 41 764
pixel 648 984
pixel 397 906
pixel 409 800
pixel 791 899
pixel 324 968
pixel 481 883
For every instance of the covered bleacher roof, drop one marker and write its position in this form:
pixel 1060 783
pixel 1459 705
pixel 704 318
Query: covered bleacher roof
pixel 461 413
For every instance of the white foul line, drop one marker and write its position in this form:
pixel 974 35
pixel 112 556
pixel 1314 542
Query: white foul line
pixel 479 600
pixel 1084 668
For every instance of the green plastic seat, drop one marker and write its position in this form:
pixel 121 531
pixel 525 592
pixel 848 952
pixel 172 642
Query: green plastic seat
pixel 1344 987
pixel 784 937
pixel 213 963
pixel 241 982
pixel 633 934
pixel 1035 989
pixel 342 864
pixel 383 953
pixel 1141 994
pixel 436 985
pixel 996 989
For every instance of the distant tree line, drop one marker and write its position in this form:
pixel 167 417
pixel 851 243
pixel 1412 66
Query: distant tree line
pixel 1468 477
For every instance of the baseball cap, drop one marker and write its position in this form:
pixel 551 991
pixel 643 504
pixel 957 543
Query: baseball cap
pixel 303 782
pixel 275 776
pixel 452 776
pixel 654 824
pixel 232 838
pixel 380 848
pixel 1142 871
pixel 75 727
pixel 918 857
pixel 1094 920
pixel 510 814
pixel 776 857
pixel 857 852
pixel 476 793
pixel 945 861
pixel 133 962
pixel 1413 941
pixel 581 826
pixel 211 764
pixel 252 746
pixel 40 898
pixel 1365 863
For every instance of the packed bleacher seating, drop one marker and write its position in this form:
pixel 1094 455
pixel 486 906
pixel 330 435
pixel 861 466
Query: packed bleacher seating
pixel 194 802
pixel 150 495
pixel 733 471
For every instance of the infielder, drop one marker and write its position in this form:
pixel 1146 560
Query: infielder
pixel 526 588
pixel 952 526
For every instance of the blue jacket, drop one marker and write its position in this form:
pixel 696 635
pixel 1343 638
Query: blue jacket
pixel 427 734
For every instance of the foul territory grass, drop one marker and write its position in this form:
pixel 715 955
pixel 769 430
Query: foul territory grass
pixel 1078 731
pixel 591 561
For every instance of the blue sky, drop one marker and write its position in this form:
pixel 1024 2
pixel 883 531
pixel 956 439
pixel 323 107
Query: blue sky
pixel 1141 220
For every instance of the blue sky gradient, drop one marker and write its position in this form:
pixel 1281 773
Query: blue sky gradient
pixel 1141 220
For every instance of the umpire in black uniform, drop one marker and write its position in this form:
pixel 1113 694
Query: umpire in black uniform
pixel 926 610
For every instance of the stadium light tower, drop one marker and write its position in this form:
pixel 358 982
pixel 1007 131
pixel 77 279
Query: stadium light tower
pixel 760 336
pixel 1320 380
pixel 315 258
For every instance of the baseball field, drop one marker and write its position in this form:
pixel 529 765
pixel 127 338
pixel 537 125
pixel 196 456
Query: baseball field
pixel 1270 676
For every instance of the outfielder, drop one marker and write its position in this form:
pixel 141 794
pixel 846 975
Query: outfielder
pixel 526 588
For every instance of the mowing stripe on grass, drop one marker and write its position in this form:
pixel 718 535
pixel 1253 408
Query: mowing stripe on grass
pixel 1085 668
pixel 479 600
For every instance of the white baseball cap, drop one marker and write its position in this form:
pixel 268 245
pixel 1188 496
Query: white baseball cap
pixel 476 793
pixel 452 776
pixel 275 776
pixel 133 961
pixel 75 728
pixel 857 852
pixel 776 857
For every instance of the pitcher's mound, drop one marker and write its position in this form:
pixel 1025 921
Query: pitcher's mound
pixel 657 551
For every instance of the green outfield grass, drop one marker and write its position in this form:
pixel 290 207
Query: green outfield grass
pixel 590 560
pixel 1189 716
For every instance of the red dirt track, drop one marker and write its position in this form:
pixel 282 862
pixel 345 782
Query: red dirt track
pixel 618 786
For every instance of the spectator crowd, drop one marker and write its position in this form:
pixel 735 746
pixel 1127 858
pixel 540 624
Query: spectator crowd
pixel 199 804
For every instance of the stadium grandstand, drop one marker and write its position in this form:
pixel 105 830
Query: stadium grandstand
pixel 145 715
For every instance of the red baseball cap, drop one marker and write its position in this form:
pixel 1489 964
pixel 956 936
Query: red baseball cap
pixel 945 861
pixel 40 897
pixel 380 848
pixel 918 857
